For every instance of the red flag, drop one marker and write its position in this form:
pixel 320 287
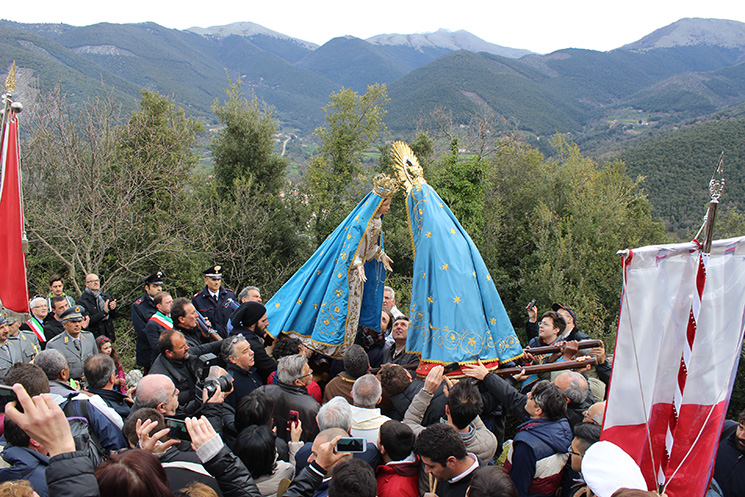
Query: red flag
pixel 668 426
pixel 13 285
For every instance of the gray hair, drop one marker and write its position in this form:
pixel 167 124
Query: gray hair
pixel 98 369
pixel 52 362
pixel 152 390
pixel 578 388
pixel 389 289
pixel 244 293
pixel 366 391
pixel 335 413
pixel 36 301
pixel 227 349
pixel 290 368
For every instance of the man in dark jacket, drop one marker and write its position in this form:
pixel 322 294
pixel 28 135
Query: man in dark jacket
pixel 250 321
pixel 100 307
pixel 237 353
pixel 729 469
pixel 538 453
pixel 401 388
pixel 444 456
pixel 290 394
pixel 25 457
pixel 141 311
pixel 157 324
pixel 100 373
pixel 214 300
pixel 176 362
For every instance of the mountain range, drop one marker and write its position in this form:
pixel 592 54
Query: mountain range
pixel 690 68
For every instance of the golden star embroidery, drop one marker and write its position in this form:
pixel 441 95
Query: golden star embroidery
pixel 493 321
pixel 315 306
pixel 322 251
pixel 318 272
pixel 424 275
pixel 474 274
pixel 299 301
pixel 456 300
pixel 429 234
pixel 276 305
pixel 439 203
pixel 356 218
pixel 488 277
pixel 445 266
pixel 430 299
pixel 452 231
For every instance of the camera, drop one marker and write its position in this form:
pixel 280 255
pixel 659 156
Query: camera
pixel 204 364
pixel 225 382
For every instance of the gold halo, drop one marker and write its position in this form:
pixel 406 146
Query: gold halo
pixel 408 169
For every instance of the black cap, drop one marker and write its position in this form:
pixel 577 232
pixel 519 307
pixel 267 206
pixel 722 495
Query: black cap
pixel 72 314
pixel 247 314
pixel 214 272
pixel 154 279
pixel 556 307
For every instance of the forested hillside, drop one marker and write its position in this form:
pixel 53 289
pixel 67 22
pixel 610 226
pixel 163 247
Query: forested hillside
pixel 678 166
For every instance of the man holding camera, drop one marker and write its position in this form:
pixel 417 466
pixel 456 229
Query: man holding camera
pixel 181 363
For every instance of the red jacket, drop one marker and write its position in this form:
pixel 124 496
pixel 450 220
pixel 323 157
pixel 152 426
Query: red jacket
pixel 399 479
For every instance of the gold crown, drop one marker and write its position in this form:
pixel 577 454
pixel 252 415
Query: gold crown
pixel 384 185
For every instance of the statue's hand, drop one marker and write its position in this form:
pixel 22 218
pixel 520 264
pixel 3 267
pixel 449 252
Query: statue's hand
pixel 361 273
pixel 387 261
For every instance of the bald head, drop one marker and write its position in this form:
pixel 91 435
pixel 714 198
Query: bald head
pixel 157 391
pixel 574 386
pixel 595 413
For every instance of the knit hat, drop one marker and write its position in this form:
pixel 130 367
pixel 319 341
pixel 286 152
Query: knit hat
pixel 247 314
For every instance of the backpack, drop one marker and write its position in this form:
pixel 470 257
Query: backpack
pixel 85 437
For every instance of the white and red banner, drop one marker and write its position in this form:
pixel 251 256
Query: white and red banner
pixel 13 287
pixel 677 350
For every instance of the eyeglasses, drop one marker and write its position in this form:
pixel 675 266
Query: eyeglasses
pixel 236 338
pixel 572 452
pixel 309 373
pixel 92 281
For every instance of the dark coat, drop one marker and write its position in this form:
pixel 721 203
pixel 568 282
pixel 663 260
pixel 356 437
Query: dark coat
pixel 295 398
pixel 729 468
pixel 99 325
pixel 141 312
pixel 149 346
pixel 244 383
pixel 183 373
pixel 113 399
pixel 26 464
pixel 401 401
pixel 71 475
pixel 217 311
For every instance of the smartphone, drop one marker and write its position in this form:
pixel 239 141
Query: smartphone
pixel 177 429
pixel 531 304
pixel 7 395
pixel 293 418
pixel 351 444
pixel 450 368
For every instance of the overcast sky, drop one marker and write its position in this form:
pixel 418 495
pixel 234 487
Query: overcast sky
pixel 541 25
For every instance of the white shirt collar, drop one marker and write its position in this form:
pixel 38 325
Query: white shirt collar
pixel 467 472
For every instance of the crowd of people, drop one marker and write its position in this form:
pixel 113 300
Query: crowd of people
pixel 219 407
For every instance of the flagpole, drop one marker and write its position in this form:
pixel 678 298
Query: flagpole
pixel 716 186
